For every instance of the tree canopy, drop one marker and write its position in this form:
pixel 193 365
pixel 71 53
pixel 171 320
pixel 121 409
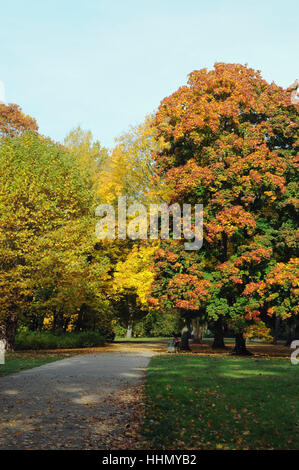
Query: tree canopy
pixel 228 140
pixel 232 146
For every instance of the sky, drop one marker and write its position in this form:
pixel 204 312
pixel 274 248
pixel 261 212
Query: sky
pixel 105 65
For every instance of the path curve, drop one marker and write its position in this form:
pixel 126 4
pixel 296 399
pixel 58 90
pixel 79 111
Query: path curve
pixel 89 401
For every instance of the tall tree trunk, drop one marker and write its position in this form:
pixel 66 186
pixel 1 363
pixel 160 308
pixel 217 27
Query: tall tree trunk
pixel 185 338
pixel 240 346
pixel 276 330
pixel 54 321
pixel 8 331
pixel 217 329
pixel 198 330
pixel 79 322
pixel 2 333
pixel 60 322
pixel 129 328
pixel 293 332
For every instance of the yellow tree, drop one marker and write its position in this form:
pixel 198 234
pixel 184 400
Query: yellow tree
pixel 44 195
pixel 129 172
pixel 69 281
pixel 131 284
pixel 90 155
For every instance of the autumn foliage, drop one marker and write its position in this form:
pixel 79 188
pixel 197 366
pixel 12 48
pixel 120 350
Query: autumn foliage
pixel 232 146
pixel 13 122
pixel 228 140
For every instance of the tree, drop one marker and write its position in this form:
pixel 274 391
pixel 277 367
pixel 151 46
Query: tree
pixel 180 283
pixel 13 122
pixel 69 282
pixel 131 284
pixel 128 171
pixel 277 294
pixel 231 144
pixel 46 209
pixel 90 155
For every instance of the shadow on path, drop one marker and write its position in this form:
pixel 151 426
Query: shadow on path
pixel 90 401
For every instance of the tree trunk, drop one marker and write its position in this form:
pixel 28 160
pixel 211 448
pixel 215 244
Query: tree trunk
pixel 185 339
pixel 129 329
pixel 293 334
pixel 276 330
pixel 8 332
pixel 60 322
pixel 240 346
pixel 217 329
pixel 79 321
pixel 198 330
pixel 54 321
pixel 2 334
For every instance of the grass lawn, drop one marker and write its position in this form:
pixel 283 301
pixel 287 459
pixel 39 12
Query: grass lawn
pixel 133 340
pixel 208 402
pixel 231 341
pixel 17 361
pixel 227 341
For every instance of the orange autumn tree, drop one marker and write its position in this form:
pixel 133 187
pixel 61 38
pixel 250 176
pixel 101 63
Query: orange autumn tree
pixel 13 122
pixel 278 293
pixel 232 146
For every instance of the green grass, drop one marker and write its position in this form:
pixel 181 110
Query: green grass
pixel 227 341
pixel 133 340
pixel 231 341
pixel 15 362
pixel 221 403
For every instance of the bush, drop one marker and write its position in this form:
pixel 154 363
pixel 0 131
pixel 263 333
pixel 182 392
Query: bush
pixel 259 332
pixel 120 331
pixel 47 340
pixel 153 325
pixel 35 340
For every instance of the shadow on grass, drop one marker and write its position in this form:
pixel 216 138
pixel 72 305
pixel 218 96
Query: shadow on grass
pixel 221 402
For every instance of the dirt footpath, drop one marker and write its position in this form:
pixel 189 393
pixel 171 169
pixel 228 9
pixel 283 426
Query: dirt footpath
pixel 89 401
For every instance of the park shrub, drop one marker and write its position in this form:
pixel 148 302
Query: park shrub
pixel 259 332
pixel 26 340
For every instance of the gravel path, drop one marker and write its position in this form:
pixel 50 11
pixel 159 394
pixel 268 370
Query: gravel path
pixel 90 401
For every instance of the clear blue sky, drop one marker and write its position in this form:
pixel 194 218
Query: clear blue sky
pixel 106 64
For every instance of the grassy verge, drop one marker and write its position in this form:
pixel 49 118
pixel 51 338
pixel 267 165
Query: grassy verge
pixel 221 403
pixel 17 361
